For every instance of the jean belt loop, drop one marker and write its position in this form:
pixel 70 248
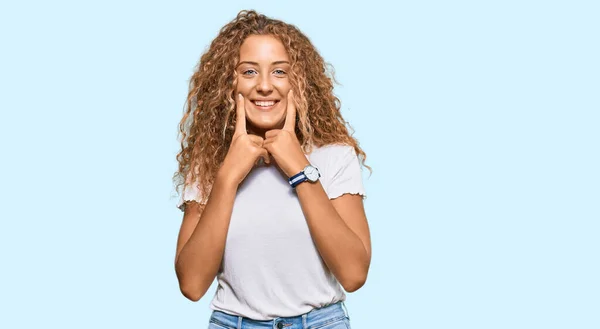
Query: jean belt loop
pixel 346 310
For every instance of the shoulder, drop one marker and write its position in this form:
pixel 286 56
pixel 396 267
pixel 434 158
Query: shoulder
pixel 333 151
pixel 340 169
pixel 332 157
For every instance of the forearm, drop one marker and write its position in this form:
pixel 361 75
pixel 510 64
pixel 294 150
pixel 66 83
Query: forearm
pixel 200 258
pixel 341 249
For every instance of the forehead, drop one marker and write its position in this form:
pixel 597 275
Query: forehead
pixel 265 48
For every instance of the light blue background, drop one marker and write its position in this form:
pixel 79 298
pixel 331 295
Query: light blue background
pixel 480 119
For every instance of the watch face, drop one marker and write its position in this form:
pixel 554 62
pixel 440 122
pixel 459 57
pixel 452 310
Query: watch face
pixel 311 173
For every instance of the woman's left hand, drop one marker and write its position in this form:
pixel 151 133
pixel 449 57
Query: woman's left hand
pixel 283 144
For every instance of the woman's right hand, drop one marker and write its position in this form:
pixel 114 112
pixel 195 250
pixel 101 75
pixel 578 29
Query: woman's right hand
pixel 244 150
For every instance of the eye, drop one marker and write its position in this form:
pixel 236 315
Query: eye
pixel 279 72
pixel 248 72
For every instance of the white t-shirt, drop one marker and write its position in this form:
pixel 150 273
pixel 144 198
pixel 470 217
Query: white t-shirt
pixel 271 266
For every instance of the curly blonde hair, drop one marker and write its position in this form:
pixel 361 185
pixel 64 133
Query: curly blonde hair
pixel 209 117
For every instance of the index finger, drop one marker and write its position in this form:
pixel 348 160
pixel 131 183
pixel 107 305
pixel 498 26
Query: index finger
pixel 240 119
pixel 290 118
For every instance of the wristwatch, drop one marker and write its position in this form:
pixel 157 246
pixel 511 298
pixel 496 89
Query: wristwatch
pixel 310 173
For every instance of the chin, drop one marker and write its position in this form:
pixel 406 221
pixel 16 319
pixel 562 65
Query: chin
pixel 263 123
pixel 266 120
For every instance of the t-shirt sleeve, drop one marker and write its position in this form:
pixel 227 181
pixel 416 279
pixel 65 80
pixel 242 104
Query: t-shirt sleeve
pixel 190 193
pixel 347 173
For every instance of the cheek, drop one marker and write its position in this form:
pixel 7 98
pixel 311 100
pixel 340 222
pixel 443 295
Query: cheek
pixel 242 87
pixel 283 85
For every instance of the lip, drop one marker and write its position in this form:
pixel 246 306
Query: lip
pixel 264 108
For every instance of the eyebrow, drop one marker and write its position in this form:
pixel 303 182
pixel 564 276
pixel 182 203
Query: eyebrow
pixel 255 63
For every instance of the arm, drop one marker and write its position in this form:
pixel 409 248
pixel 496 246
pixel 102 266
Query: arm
pixel 338 227
pixel 203 233
pixel 201 240
pixel 340 231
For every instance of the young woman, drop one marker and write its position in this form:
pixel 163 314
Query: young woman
pixel 273 193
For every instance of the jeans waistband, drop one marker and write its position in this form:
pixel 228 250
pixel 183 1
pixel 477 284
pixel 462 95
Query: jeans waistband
pixel 314 318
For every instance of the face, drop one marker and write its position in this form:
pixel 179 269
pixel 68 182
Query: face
pixel 262 78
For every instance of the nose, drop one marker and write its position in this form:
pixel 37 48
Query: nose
pixel 264 84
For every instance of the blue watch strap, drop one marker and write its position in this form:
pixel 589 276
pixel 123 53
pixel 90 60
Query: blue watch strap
pixel 297 179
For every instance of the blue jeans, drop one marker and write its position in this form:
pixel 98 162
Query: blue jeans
pixel 334 316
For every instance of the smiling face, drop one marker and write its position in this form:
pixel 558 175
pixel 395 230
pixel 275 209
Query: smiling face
pixel 262 78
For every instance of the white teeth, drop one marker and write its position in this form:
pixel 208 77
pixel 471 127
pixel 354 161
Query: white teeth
pixel 264 104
